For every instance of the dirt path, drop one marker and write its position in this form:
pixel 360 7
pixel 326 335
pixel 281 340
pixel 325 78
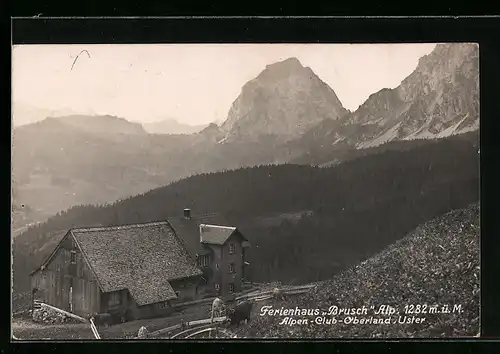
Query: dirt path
pixel 131 329
pixel 28 330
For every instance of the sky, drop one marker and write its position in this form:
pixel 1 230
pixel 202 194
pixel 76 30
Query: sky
pixel 192 83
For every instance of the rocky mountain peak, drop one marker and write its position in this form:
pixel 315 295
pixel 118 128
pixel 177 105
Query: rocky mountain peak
pixel 286 66
pixel 284 100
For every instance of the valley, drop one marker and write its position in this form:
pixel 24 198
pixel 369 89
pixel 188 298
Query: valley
pixel 324 194
pixel 286 115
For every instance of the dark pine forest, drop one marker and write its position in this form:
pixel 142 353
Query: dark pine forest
pixel 349 211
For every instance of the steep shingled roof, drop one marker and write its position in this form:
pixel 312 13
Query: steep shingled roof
pixel 142 258
pixel 215 234
pixel 188 230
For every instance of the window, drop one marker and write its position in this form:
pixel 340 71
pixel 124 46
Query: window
pixel 204 261
pixel 231 267
pixel 232 248
pixel 217 265
pixel 231 287
pixel 114 298
pixel 162 304
pixel 73 257
pixel 71 299
pixel 217 287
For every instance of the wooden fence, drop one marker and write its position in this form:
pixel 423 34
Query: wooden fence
pixel 192 328
pixel 186 325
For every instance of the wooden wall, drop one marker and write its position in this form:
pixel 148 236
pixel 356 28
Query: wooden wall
pixel 109 305
pixel 59 275
pixel 150 311
pixel 187 289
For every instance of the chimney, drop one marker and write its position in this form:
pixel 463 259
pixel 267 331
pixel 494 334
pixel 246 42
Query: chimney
pixel 187 213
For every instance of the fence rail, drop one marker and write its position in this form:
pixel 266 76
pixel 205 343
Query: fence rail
pixel 186 331
pixel 206 325
pixel 94 329
pixel 186 325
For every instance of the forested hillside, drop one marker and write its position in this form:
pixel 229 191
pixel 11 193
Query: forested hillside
pixel 357 208
pixel 438 264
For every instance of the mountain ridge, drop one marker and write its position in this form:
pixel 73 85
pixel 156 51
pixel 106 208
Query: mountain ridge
pixel 172 126
pixel 439 98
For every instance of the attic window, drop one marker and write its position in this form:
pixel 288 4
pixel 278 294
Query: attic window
pixel 73 257
pixel 232 248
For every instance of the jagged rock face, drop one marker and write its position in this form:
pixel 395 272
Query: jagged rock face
pixel 443 92
pixel 440 98
pixel 285 100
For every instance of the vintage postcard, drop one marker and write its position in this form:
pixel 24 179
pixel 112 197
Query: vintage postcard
pixel 245 191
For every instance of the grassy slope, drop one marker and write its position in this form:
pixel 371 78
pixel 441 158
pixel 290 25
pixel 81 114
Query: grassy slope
pixel 25 329
pixel 438 263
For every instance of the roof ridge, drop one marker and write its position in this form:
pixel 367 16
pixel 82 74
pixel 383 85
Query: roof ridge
pixel 194 216
pixel 181 241
pixel 118 227
pixel 220 226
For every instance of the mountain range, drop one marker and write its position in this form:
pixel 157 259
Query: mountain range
pixel 440 98
pixel 172 126
pixel 287 114
pixel 23 114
